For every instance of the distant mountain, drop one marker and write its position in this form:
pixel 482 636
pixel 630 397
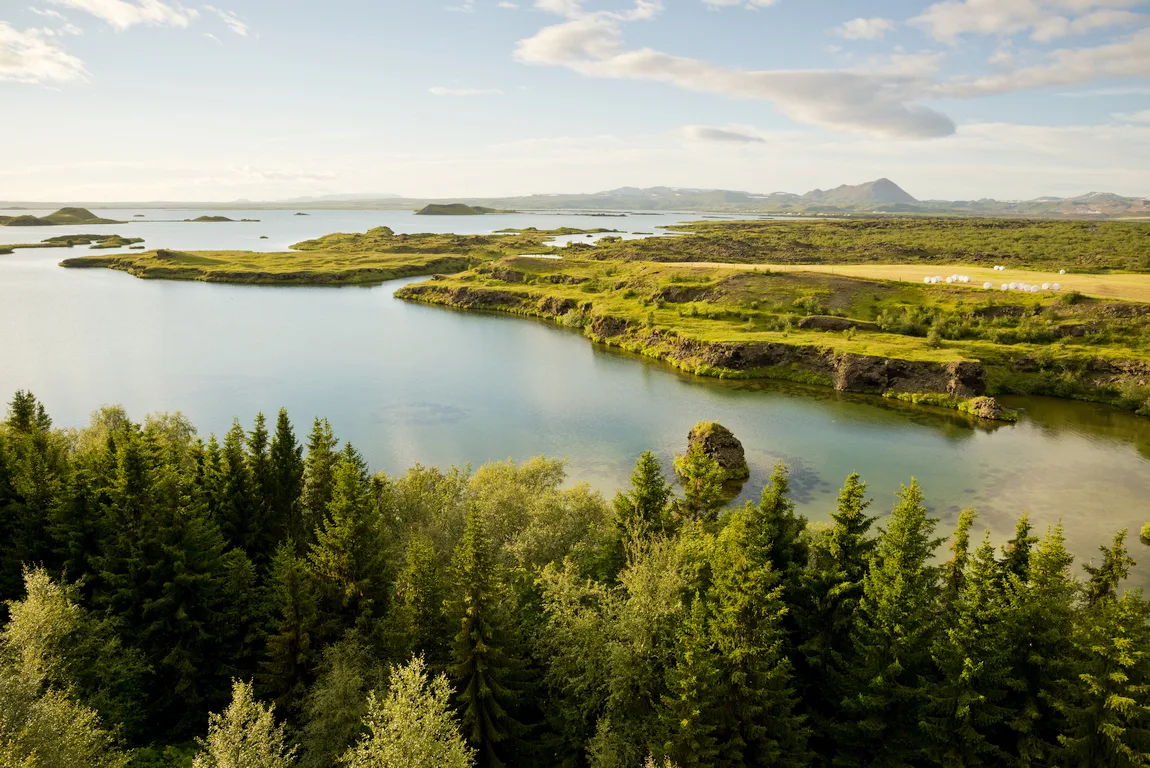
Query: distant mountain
pixel 346 197
pixel 880 191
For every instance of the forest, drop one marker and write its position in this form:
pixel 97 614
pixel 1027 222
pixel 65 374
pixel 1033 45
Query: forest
pixel 265 601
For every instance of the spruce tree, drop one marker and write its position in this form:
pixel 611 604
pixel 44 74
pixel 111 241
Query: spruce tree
pixel 1017 552
pixel 292 645
pixel 1105 578
pixel 954 570
pixel 268 533
pixel 834 586
pixel 968 713
pixel 1042 616
pixel 702 480
pixel 285 510
pixel 237 513
pixel 484 665
pixel 759 724
pixel 1106 702
pixel 646 501
pixel 319 478
pixel 691 708
pixel 349 553
pixel 421 590
pixel 892 636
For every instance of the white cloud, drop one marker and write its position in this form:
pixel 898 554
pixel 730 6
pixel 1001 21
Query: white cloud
pixel 234 22
pixel 123 14
pixel 441 91
pixel 467 6
pixel 1129 57
pixel 721 135
pixel 1046 20
pixel 1134 117
pixel 748 4
pixel 47 13
pixel 507 5
pixel 879 103
pixel 29 57
pixel 1093 92
pixel 865 29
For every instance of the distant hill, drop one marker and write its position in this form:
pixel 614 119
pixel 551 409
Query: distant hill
pixel 880 191
pixel 59 218
pixel 454 209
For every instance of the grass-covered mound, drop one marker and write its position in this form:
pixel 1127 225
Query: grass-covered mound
pixel 60 217
pixel 851 333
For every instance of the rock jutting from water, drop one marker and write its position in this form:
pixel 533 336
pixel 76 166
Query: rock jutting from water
pixel 720 443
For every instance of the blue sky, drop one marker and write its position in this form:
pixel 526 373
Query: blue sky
pixel 957 99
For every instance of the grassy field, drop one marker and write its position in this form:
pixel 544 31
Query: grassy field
pixel 1029 244
pixel 1120 286
pixel 1067 344
pixel 97 242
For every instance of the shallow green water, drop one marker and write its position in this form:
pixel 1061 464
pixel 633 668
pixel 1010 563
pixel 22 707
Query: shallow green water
pixel 410 383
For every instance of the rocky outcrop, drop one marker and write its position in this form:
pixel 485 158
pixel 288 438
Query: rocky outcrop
pixel 720 444
pixel 986 408
pixel 553 305
pixel 828 323
pixel 858 373
pixel 681 294
pixel 508 275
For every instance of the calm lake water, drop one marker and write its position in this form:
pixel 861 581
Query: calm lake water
pixel 408 383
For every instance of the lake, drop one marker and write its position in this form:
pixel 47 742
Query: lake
pixel 409 383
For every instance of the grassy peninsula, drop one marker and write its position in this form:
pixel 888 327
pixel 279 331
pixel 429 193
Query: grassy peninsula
pixel 341 258
pixel 60 217
pixel 97 242
pixel 851 333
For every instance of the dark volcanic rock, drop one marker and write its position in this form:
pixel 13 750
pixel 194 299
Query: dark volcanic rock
pixel 986 408
pixel 720 444
pixel 827 323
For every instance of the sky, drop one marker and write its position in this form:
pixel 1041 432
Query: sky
pixel 139 100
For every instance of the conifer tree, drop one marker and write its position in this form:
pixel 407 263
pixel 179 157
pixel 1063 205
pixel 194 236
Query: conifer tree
pixel 702 480
pixel 245 735
pixel 788 551
pixel 237 513
pixel 268 532
pixel 1105 578
pixel 759 725
pixel 1042 615
pixel 647 499
pixel 1017 552
pixel 892 635
pixel 484 666
pixel 161 574
pixel 954 570
pixel 1106 702
pixel 968 719
pixel 349 553
pixel 292 642
pixel 319 477
pixel 421 591
pixel 834 586
pixel 286 484
pixel 691 708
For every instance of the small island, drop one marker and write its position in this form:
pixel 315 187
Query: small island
pixel 301 213
pixel 64 216
pixel 219 220
pixel 456 209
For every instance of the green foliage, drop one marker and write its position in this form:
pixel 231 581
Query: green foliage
pixel 652 629
pixel 702 480
pixel 245 735
pixel 482 659
pixel 412 727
